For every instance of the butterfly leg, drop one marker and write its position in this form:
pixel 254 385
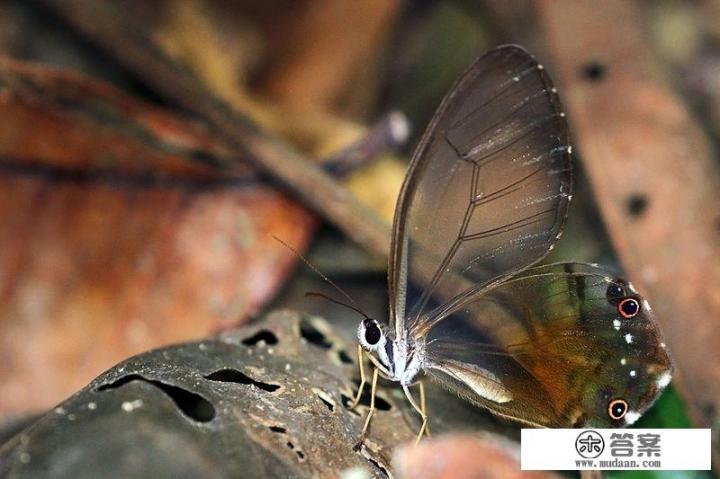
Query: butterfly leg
pixel 423 408
pixel 362 378
pixel 421 411
pixel 370 412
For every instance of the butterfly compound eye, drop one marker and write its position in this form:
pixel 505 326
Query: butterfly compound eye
pixel 372 333
pixel 629 308
pixel 617 409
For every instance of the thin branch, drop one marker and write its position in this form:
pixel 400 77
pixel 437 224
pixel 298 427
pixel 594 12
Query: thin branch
pixel 391 131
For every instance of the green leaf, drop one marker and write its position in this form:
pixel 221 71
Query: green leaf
pixel 668 412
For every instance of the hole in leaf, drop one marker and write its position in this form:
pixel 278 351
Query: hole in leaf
pixel 594 71
pixel 192 405
pixel 637 205
pixel 325 398
pixel 263 335
pixel 278 429
pixel 235 376
pixel 312 335
pixel 327 403
pixel 377 464
pixel 344 357
pixel 299 453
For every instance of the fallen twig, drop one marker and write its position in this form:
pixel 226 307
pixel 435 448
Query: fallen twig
pixel 390 131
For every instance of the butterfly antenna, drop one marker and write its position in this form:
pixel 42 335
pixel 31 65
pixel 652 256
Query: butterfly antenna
pixel 333 300
pixel 354 306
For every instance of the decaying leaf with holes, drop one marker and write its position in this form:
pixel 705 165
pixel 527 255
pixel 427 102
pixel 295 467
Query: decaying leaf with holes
pixel 261 401
pixel 266 400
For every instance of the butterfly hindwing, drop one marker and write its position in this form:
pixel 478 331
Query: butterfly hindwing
pixel 553 346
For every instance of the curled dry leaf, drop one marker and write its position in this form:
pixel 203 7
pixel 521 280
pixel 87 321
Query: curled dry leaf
pixel 118 234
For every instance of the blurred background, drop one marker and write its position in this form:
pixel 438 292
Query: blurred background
pixel 149 151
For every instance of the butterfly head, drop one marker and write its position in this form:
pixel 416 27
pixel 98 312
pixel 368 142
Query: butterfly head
pixel 371 335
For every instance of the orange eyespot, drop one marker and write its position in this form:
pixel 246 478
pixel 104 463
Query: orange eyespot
pixel 628 308
pixel 617 408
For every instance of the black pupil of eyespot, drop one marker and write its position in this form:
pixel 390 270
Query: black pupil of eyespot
pixel 630 307
pixel 618 409
pixel 372 333
pixel 614 293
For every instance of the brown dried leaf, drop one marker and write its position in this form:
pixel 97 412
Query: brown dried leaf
pixel 328 52
pixel 117 234
pixel 654 176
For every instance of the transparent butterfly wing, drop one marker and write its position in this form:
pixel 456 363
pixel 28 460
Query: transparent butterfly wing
pixel 487 190
pixel 550 348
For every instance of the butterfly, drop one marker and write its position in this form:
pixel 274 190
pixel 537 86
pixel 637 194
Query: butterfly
pixel 485 199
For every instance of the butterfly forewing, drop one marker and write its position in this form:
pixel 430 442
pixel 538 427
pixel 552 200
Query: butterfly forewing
pixel 550 347
pixel 487 191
